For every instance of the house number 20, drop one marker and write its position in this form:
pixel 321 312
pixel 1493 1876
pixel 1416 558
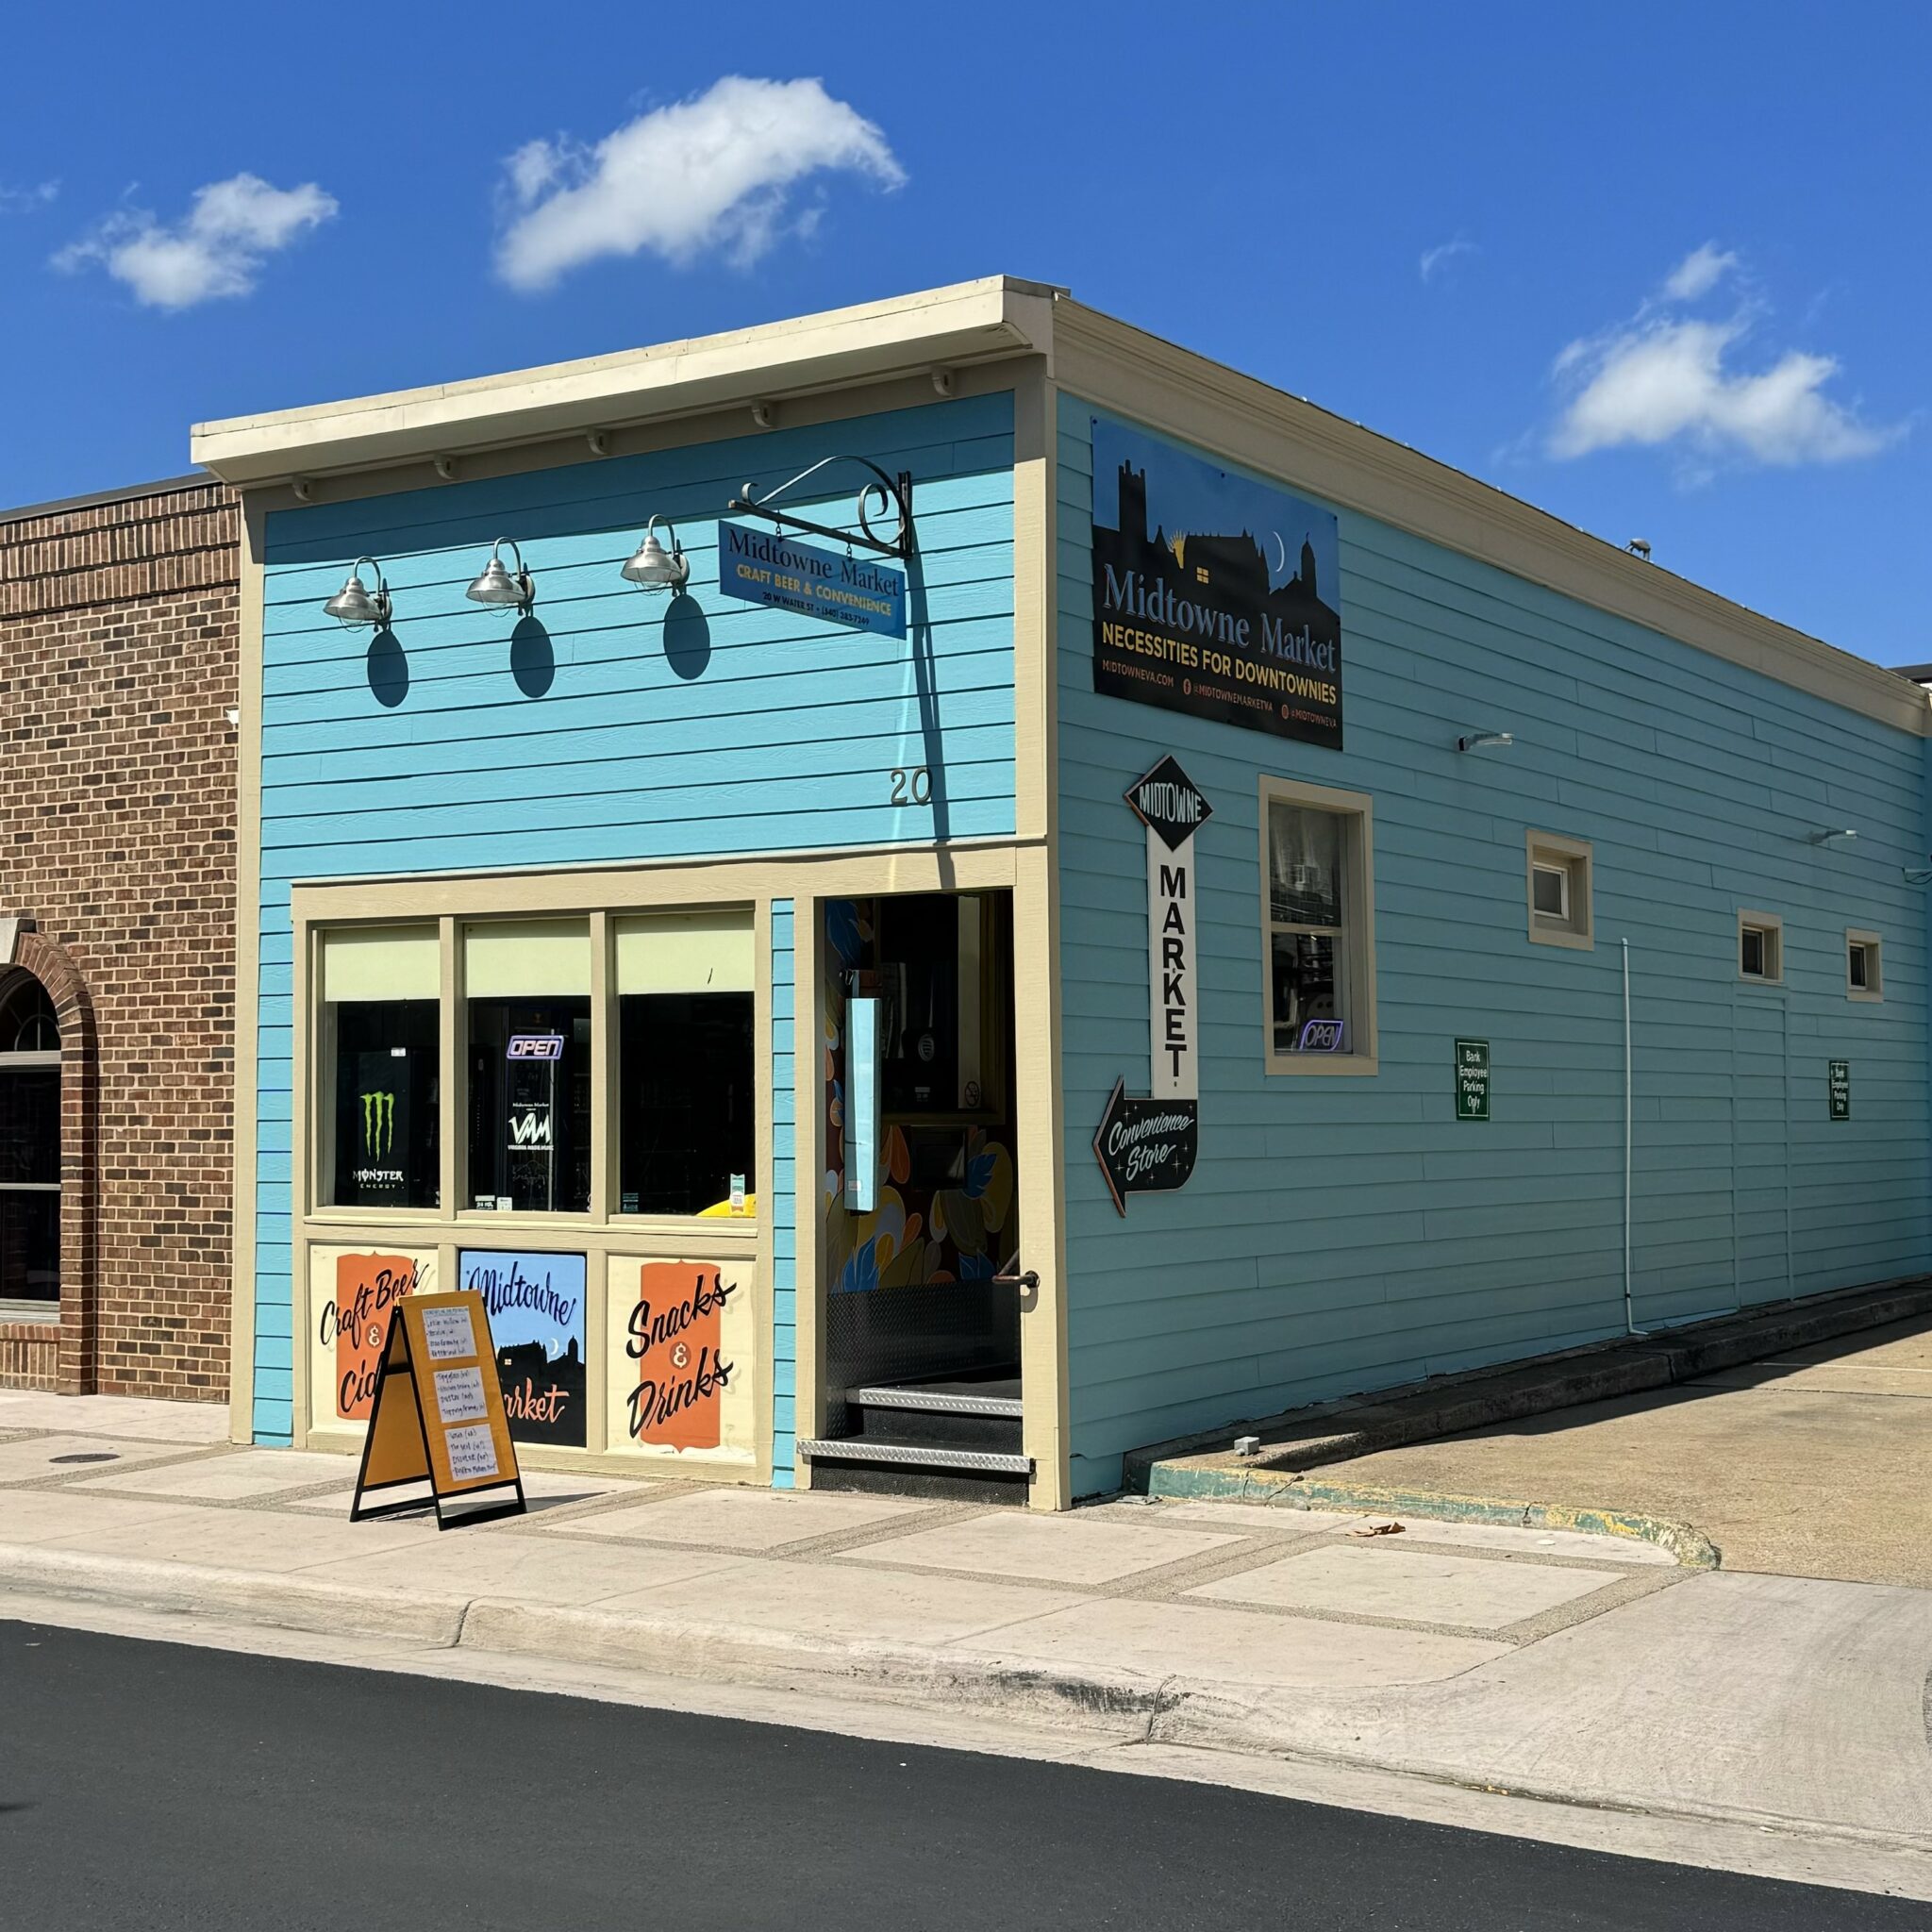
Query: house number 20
pixel 912 786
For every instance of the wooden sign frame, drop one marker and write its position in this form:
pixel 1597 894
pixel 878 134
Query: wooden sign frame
pixel 439 1356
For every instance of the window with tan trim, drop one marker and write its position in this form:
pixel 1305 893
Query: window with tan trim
pixel 1762 948
pixel 1864 966
pixel 1317 929
pixel 1558 882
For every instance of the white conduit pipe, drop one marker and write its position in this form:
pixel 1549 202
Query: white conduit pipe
pixel 1629 1312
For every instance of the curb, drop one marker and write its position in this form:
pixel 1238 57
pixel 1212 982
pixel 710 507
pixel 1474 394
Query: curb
pixel 1283 1489
pixel 1341 1431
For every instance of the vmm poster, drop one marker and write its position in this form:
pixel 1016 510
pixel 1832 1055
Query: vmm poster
pixel 1213 594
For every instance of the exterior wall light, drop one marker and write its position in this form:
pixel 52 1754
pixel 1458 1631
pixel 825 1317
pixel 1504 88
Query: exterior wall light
pixel 498 587
pixel 654 567
pixel 1484 740
pixel 1824 837
pixel 353 605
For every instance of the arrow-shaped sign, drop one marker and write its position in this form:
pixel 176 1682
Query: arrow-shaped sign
pixel 1146 1146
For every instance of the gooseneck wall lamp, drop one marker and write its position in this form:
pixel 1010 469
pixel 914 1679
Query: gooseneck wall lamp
pixel 498 587
pixel 654 567
pixel 353 604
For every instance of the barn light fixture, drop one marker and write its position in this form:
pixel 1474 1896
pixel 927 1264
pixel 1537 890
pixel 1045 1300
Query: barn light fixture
pixel 1825 837
pixel 654 567
pixel 498 587
pixel 353 605
pixel 1484 741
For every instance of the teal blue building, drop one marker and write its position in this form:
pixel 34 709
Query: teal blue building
pixel 926 896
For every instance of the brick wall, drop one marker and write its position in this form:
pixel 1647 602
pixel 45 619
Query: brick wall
pixel 118 662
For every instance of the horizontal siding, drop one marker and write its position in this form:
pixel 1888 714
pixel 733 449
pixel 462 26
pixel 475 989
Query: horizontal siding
pixel 1343 1234
pixel 614 727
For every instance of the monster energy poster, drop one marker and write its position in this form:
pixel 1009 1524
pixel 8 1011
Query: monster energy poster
pixel 381 1096
pixel 1213 594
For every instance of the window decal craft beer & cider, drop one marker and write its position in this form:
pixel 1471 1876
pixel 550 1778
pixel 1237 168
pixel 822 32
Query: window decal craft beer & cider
pixel 355 1319
pixel 1213 594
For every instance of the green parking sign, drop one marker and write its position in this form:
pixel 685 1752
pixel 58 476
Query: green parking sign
pixel 1839 1082
pixel 1471 1080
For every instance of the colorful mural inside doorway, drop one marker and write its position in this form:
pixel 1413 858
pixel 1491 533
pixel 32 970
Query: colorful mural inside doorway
pixel 917 1236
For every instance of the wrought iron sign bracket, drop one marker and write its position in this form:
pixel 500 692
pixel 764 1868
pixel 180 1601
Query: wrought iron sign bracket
pixel 883 493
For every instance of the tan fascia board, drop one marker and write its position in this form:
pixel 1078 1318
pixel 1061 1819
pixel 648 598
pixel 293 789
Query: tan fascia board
pixel 1139 375
pixel 941 328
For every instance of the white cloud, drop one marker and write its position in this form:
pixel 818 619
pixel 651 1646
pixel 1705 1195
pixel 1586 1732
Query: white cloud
pixel 714 172
pixel 1441 254
pixel 215 250
pixel 1699 272
pixel 16 200
pixel 1666 377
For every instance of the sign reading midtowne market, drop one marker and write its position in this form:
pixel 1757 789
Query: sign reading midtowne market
pixel 1213 594
pixel 1149 1146
pixel 762 567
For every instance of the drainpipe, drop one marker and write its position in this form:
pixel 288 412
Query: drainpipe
pixel 1629 1313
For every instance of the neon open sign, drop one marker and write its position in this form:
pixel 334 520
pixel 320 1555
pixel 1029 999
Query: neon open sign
pixel 535 1046
pixel 1322 1036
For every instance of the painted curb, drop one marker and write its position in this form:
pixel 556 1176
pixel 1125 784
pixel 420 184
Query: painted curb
pixel 1282 1488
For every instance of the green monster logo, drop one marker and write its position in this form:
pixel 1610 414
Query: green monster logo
pixel 378 1126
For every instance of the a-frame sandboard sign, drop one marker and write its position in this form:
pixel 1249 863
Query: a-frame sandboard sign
pixel 437 1416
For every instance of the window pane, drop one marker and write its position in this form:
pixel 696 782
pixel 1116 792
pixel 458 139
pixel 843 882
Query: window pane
pixel 1304 971
pixel 686 1119
pixel 530 1103
pixel 387 1080
pixel 1752 956
pixel 29 1247
pixel 1551 886
pixel 29 1123
pixel 1858 967
pixel 1305 858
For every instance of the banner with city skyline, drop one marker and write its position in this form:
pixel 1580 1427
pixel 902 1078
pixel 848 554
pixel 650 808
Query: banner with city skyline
pixel 1213 594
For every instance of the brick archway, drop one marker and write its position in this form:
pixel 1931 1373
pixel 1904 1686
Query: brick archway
pixel 29 1355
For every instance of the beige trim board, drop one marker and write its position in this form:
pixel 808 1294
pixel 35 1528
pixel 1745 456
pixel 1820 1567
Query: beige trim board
pixel 247 976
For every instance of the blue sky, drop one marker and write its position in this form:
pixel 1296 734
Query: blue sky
pixel 1653 268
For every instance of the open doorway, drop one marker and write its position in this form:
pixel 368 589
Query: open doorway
pixel 922 1209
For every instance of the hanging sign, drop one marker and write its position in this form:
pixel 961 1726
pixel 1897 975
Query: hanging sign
pixel 860 593
pixel 1148 1146
pixel 1213 594
pixel 1839 1084
pixel 438 1415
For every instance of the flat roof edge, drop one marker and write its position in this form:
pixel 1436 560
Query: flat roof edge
pixel 976 321
pixel 1253 423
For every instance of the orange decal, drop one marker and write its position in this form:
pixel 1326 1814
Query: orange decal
pixel 674 1332
pixel 367 1287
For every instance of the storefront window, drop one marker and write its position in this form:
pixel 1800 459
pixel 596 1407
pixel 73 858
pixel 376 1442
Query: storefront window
pixel 687 1118
pixel 1319 936
pixel 29 1144
pixel 527 991
pixel 379 990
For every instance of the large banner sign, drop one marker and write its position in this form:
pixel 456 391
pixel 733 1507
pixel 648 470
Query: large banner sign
pixel 1212 593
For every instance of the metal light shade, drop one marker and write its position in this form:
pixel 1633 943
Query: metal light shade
pixel 353 605
pixel 497 586
pixel 654 567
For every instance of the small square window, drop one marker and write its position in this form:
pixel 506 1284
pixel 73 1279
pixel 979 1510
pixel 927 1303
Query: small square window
pixel 1864 967
pixel 1760 948
pixel 1560 909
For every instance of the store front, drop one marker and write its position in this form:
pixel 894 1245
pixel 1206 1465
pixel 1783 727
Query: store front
pixel 928 896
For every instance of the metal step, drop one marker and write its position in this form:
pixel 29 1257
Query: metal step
pixel 940 1398
pixel 914 1455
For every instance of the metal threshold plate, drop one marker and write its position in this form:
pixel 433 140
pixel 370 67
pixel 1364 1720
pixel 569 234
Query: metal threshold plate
pixel 938 1402
pixel 914 1455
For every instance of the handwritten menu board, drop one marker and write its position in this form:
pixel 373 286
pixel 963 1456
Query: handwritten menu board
pixel 437 1416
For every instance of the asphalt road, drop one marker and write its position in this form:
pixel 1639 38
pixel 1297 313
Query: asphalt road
pixel 154 1786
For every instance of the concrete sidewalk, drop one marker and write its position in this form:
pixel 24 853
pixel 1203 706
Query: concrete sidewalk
pixel 1556 1665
